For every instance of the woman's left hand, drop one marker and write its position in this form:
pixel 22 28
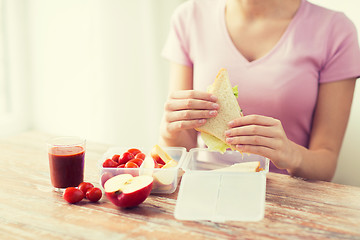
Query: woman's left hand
pixel 263 136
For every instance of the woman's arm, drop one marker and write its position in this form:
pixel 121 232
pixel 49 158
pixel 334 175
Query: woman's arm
pixel 329 125
pixel 185 109
pixel 265 136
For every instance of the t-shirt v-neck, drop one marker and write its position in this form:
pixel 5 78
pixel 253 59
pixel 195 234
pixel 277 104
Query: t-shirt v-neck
pixel 277 45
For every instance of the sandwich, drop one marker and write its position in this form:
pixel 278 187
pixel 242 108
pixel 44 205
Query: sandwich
pixel 241 167
pixel 213 131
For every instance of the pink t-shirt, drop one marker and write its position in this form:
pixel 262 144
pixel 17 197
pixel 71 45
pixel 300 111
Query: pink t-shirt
pixel 318 46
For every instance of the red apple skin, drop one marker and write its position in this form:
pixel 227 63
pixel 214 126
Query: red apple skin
pixel 128 200
pixel 156 165
pixel 156 157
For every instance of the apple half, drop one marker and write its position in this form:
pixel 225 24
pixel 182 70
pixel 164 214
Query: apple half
pixel 127 191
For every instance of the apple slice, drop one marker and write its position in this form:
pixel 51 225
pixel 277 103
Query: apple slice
pixel 149 162
pixel 166 176
pixel 170 164
pixel 148 165
pixel 126 191
pixel 159 155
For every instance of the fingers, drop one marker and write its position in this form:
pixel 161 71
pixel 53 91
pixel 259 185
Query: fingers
pixel 255 133
pixel 189 109
pixel 251 130
pixel 267 147
pixel 193 94
pixel 190 115
pixel 263 136
pixel 254 120
pixel 181 100
pixel 183 125
pixel 259 150
pixel 182 104
pixel 253 141
pixel 255 125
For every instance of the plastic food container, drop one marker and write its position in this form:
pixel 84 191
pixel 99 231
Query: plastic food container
pixel 165 180
pixel 221 196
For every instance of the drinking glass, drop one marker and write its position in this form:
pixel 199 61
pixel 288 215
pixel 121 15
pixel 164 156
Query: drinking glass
pixel 66 161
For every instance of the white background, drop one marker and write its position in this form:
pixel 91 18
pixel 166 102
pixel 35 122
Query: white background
pixel 97 70
pixel 93 68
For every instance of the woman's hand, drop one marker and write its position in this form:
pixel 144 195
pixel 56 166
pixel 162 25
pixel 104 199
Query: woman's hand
pixel 188 109
pixel 263 136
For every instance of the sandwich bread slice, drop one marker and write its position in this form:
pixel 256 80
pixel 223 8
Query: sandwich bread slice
pixel 213 131
pixel 241 167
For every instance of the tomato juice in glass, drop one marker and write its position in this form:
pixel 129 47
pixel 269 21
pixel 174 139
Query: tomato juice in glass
pixel 66 161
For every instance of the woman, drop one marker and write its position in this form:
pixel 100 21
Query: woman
pixel 295 65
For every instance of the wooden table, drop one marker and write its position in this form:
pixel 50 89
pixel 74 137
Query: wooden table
pixel 29 209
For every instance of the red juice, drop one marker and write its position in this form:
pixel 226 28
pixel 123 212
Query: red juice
pixel 66 166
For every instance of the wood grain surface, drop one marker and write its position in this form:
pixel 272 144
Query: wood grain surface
pixel 30 209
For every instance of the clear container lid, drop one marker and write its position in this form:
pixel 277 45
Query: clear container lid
pixel 221 196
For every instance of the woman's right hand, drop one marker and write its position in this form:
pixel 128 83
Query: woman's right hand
pixel 188 109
